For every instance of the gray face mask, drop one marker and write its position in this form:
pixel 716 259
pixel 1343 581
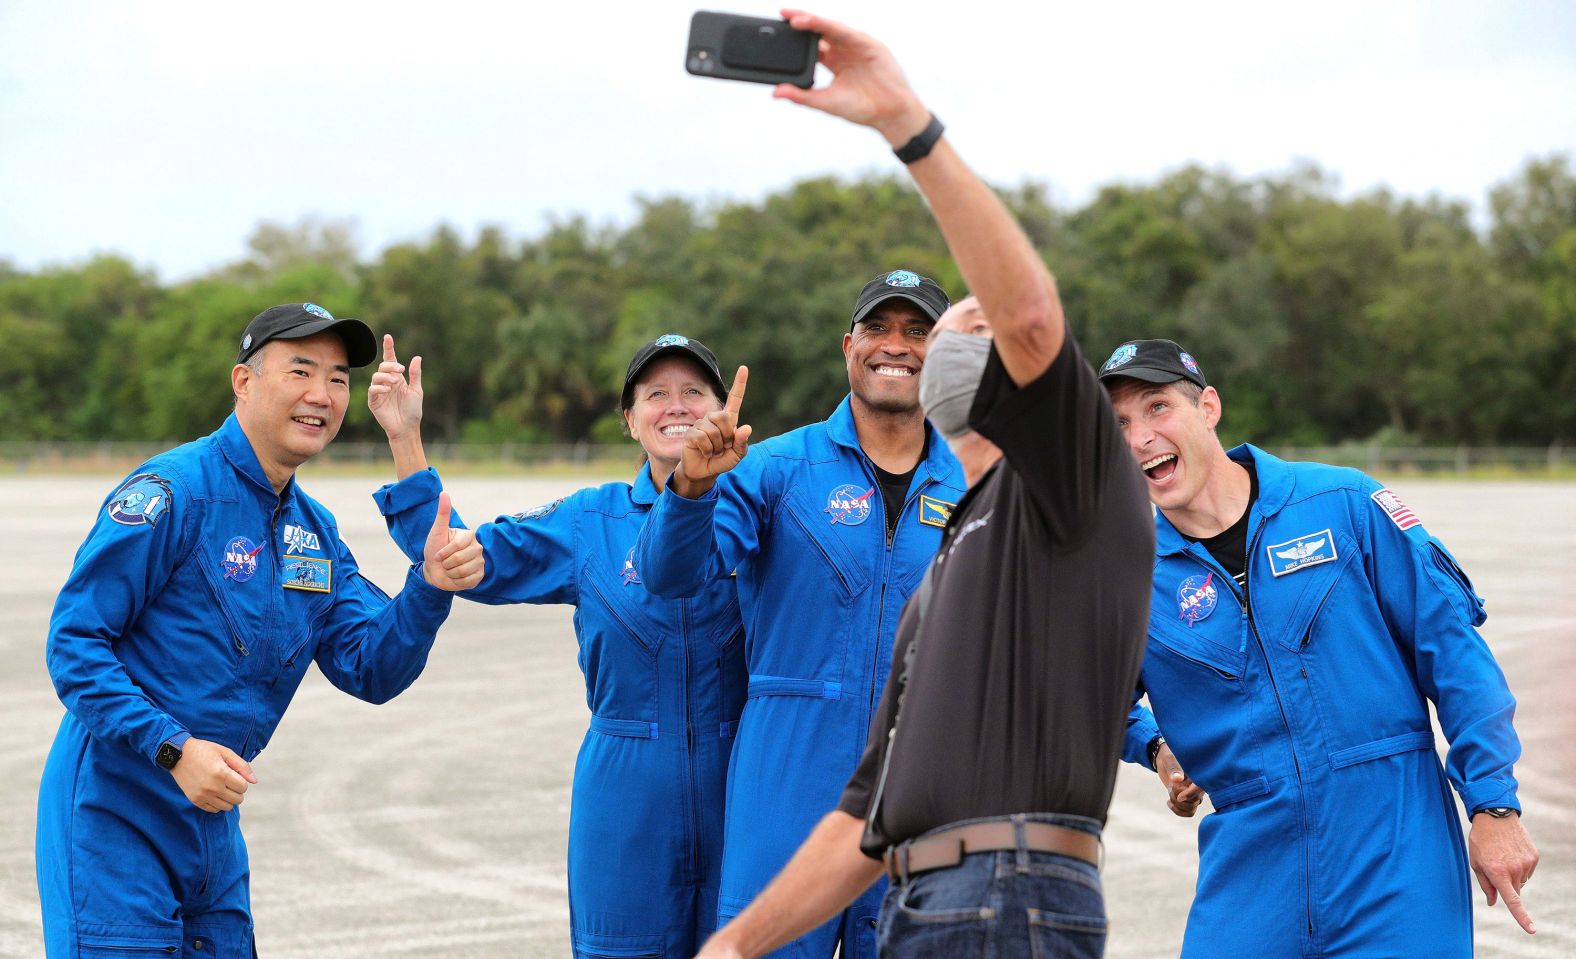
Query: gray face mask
pixel 954 365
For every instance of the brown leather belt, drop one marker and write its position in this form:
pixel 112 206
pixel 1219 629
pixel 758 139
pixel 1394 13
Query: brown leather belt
pixel 948 847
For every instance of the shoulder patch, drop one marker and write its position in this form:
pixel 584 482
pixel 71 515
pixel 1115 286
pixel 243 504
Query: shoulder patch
pixel 1400 514
pixel 537 512
pixel 141 501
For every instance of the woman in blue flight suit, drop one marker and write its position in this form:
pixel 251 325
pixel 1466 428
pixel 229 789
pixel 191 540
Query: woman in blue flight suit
pixel 665 679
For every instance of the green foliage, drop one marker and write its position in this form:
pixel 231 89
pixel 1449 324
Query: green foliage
pixel 1322 319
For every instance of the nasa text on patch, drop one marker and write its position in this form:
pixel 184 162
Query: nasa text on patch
pixel 848 506
pixel 309 573
pixel 1399 512
pixel 141 501
pixel 934 512
pixel 1302 552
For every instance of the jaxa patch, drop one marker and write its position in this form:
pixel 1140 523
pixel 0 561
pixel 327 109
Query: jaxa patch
pixel 298 539
pixel 848 506
pixel 1302 552
pixel 537 512
pixel 141 500
pixel 1197 598
pixel 1400 514
pixel 934 512
pixel 309 573
pixel 1122 355
pixel 630 576
pixel 240 559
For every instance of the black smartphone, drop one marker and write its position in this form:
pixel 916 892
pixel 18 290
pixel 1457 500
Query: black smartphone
pixel 729 46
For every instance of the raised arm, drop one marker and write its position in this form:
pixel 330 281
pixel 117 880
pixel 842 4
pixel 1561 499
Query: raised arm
pixel 999 264
pixel 396 405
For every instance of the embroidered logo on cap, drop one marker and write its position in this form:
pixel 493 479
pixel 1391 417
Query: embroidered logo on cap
pixel 1399 512
pixel 1196 598
pixel 246 342
pixel 629 574
pixel 1302 552
pixel 240 559
pixel 1189 362
pixel 141 500
pixel 1124 354
pixel 316 310
pixel 902 278
pixel 671 339
pixel 309 573
pixel 848 506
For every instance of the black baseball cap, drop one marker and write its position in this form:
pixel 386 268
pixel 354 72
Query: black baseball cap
pixel 294 321
pixel 1153 361
pixel 921 291
pixel 664 345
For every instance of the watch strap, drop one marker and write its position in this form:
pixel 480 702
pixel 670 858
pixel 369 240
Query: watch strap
pixel 924 141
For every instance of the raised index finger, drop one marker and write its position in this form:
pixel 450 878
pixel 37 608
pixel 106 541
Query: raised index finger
pixel 736 395
pixel 388 348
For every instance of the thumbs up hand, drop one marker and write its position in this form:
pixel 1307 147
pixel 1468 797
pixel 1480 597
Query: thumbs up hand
pixel 453 559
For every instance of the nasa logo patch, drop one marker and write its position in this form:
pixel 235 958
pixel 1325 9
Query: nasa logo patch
pixel 847 506
pixel 1122 355
pixel 240 559
pixel 141 501
pixel 1197 597
pixel 628 573
pixel 1189 362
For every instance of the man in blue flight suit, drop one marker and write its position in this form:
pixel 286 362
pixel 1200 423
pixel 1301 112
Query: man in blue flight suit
pixel 829 527
pixel 207 585
pixel 1302 620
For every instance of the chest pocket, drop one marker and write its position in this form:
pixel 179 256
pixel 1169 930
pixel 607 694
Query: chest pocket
pixel 1299 596
pixel 306 580
pixel 1200 692
pixel 829 543
pixel 622 605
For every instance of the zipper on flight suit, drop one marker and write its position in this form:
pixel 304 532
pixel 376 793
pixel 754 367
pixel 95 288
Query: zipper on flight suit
pixel 886 571
pixel 1291 739
pixel 689 744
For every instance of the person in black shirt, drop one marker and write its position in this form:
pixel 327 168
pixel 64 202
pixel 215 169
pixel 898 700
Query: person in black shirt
pixel 992 756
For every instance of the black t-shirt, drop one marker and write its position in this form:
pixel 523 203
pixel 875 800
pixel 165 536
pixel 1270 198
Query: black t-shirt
pixel 894 489
pixel 1230 546
pixel 1024 669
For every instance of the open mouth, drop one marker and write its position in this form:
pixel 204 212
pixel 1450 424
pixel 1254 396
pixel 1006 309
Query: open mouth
pixel 1160 467
pixel 894 371
pixel 675 429
pixel 314 422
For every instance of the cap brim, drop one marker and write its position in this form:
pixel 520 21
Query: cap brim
pixel 864 311
pixel 361 345
pixel 1145 373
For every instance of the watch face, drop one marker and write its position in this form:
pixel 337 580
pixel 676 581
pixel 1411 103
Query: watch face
pixel 1499 812
pixel 167 756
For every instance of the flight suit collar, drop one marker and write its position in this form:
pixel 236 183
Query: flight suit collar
pixel 644 491
pixel 938 463
pixel 1276 481
pixel 235 446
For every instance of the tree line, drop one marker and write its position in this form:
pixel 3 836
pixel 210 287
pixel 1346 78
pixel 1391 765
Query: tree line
pixel 1380 318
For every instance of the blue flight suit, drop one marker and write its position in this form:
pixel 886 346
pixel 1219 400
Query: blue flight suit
pixel 193 609
pixel 664 682
pixel 1303 712
pixel 802 520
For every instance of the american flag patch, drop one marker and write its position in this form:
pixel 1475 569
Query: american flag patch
pixel 1398 511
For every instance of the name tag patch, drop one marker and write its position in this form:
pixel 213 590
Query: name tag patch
pixel 309 573
pixel 1302 552
pixel 934 512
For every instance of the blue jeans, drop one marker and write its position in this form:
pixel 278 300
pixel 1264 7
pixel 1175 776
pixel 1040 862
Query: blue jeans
pixel 1012 903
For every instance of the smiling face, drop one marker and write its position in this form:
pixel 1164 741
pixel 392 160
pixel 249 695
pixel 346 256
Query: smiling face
pixel 1171 432
pixel 885 352
pixel 671 393
pixel 293 403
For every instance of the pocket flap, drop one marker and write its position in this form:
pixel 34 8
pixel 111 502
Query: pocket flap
pixel 1189 644
pixel 1222 798
pixel 1379 748
pixel 783 686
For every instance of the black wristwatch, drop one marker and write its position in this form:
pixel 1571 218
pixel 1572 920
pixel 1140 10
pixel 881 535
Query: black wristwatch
pixel 1154 750
pixel 168 755
pixel 1501 812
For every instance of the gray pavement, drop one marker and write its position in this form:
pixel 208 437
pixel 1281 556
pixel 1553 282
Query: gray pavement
pixel 435 825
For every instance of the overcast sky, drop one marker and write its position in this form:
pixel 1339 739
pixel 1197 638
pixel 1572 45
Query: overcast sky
pixel 165 131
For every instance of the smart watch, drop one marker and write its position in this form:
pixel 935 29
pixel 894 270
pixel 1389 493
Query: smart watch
pixel 168 755
pixel 1500 812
